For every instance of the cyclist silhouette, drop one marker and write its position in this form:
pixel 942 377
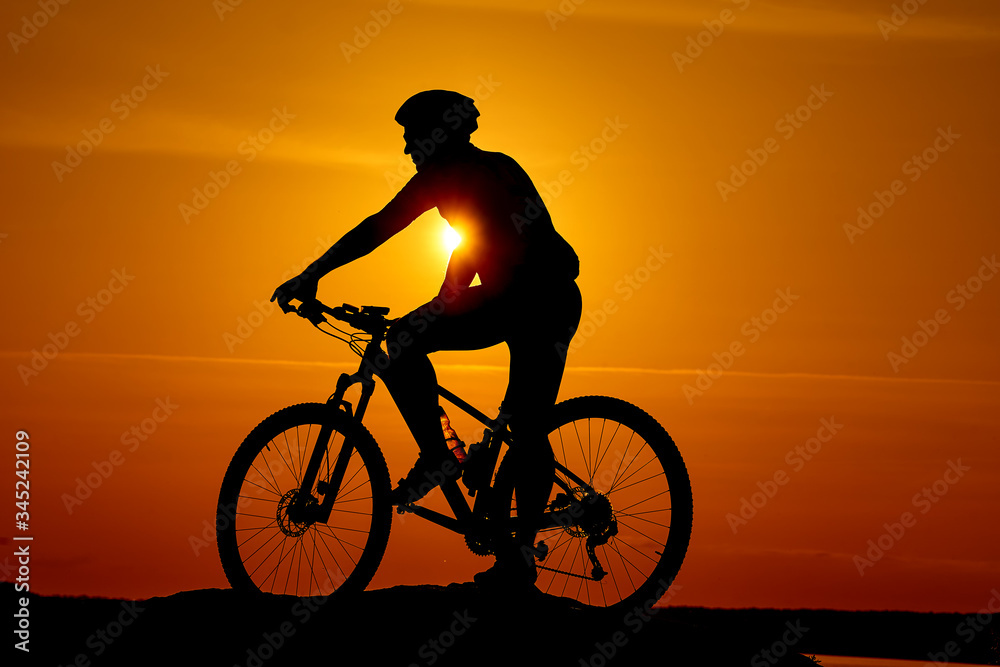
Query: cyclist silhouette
pixel 527 298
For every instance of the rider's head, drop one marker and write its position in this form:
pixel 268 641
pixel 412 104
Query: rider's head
pixel 436 123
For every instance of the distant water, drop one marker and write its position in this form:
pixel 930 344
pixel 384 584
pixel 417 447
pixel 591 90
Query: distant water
pixel 846 661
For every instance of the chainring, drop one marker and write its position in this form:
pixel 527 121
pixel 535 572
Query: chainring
pixel 479 545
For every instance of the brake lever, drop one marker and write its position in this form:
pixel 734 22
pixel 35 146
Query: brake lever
pixel 311 311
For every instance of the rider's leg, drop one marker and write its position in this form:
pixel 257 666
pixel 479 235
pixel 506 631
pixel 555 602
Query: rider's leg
pixel 537 362
pixel 412 383
pixel 535 466
pixel 460 323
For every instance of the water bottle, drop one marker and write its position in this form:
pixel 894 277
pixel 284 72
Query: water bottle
pixel 451 439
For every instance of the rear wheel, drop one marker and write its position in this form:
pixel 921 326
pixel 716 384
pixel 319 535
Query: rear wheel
pixel 271 540
pixel 620 507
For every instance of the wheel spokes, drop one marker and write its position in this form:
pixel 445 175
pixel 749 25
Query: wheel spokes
pixel 620 466
pixel 284 562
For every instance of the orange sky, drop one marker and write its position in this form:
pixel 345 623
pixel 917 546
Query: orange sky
pixel 663 132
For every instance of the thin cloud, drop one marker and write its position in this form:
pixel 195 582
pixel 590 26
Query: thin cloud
pixel 817 18
pixel 952 565
pixel 616 370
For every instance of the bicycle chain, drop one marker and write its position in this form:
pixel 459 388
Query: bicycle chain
pixel 481 549
pixel 568 574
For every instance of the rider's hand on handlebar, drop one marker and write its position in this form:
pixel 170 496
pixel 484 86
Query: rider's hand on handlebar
pixel 301 287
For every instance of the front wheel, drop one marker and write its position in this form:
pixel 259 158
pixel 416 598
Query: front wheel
pixel 620 509
pixel 272 538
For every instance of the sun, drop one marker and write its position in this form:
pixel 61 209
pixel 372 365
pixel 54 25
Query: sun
pixel 450 238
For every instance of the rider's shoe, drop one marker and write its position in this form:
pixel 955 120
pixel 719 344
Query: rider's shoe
pixel 428 472
pixel 508 574
pixel 515 569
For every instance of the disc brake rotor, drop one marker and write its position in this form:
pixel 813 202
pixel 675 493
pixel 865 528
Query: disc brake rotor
pixel 287 525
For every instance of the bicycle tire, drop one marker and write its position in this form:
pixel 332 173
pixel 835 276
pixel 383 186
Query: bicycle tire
pixel 627 584
pixel 250 513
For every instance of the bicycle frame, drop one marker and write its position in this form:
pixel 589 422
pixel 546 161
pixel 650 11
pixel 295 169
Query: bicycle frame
pixel 465 517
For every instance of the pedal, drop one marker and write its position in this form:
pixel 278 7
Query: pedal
pixel 541 551
pixel 403 509
pixel 561 501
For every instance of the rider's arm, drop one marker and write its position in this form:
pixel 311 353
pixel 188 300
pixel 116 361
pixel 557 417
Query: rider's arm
pixel 459 274
pixel 415 198
pixel 369 234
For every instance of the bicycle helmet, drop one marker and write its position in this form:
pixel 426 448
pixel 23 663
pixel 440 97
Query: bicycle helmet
pixel 445 109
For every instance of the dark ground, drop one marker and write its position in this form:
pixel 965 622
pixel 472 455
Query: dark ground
pixel 459 625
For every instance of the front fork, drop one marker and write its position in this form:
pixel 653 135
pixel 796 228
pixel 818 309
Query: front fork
pixel 306 508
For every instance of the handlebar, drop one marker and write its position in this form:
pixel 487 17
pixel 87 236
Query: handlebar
pixel 370 319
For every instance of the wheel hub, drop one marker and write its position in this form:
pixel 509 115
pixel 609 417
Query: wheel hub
pixel 291 519
pixel 588 514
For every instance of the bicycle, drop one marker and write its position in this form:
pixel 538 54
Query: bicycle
pixel 304 508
